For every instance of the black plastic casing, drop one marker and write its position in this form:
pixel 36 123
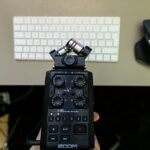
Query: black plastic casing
pixel 68 126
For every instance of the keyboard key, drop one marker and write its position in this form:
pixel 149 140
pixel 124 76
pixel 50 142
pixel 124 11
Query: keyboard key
pixel 43 34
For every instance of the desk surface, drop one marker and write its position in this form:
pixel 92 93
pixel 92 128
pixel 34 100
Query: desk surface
pixel 125 72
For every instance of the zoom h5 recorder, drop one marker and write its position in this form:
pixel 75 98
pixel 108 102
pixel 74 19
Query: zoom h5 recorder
pixel 68 102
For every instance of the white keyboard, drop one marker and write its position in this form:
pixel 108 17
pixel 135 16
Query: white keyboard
pixel 35 37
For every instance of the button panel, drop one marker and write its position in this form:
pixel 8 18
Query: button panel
pixel 66 124
pixel 67 118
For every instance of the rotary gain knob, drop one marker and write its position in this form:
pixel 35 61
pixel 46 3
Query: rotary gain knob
pixel 80 81
pixel 79 101
pixel 57 101
pixel 58 80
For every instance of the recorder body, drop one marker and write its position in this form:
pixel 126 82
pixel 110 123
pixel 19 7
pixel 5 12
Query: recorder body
pixel 68 102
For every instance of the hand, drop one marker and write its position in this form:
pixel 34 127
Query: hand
pixel 96 118
pixel 97 146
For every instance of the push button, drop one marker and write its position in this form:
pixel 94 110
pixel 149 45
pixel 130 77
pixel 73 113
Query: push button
pixel 84 118
pixel 57 118
pixel 65 138
pixel 71 118
pixel 51 118
pixel 64 118
pixel 52 138
pixel 80 128
pixel 65 128
pixel 53 128
pixel 78 118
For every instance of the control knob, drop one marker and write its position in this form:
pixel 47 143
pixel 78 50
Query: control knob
pixel 80 101
pixel 57 101
pixel 58 80
pixel 80 81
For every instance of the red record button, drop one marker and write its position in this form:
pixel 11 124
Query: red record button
pixel 80 128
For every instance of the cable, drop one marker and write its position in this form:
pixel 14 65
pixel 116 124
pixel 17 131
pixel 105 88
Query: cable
pixel 31 142
pixel 23 96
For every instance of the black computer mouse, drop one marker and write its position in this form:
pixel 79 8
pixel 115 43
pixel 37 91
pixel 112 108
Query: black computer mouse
pixel 142 47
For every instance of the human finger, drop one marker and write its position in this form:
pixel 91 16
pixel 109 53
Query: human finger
pixel 97 146
pixel 96 116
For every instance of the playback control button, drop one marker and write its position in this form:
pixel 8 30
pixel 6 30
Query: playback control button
pixel 53 128
pixel 52 138
pixel 65 128
pixel 65 138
